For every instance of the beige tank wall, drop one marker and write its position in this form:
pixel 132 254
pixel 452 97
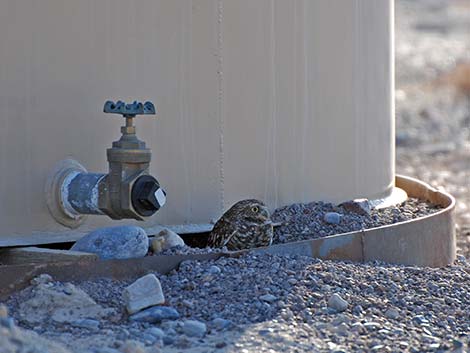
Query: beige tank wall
pixel 280 100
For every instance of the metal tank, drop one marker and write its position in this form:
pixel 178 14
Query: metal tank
pixel 281 100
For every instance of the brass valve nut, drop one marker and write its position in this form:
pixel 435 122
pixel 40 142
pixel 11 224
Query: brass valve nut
pixel 147 196
pixel 128 130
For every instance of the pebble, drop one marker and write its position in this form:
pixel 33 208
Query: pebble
pixel 359 206
pixel 332 217
pixel 86 323
pixel 337 303
pixel 357 310
pixel 372 326
pixel 214 270
pixel 143 293
pixel 166 239
pixel 420 319
pixel 123 242
pixel 357 327
pixel 392 313
pixel 155 314
pixel 156 332
pixel 41 279
pixel 269 298
pixel 168 340
pixel 193 328
pixel 221 324
pixel 343 329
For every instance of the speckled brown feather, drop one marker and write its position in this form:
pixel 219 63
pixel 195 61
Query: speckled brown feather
pixel 240 228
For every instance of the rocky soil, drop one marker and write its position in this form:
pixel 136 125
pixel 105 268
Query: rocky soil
pixel 259 303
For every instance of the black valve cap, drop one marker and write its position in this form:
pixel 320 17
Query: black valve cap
pixel 147 196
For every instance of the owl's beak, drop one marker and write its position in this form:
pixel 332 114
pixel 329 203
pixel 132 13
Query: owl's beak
pixel 265 213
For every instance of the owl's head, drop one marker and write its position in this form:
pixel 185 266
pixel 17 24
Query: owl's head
pixel 251 210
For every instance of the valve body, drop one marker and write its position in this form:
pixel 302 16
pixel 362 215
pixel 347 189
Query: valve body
pixel 127 191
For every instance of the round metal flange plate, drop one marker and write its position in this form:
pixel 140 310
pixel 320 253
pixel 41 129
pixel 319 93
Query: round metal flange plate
pixel 54 193
pixel 396 197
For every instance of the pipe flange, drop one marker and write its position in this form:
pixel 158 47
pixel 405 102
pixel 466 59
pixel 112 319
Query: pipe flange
pixel 56 200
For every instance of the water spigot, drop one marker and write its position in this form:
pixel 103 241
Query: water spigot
pixel 127 191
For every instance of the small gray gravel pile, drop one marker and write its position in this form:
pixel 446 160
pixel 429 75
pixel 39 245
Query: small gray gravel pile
pixel 263 302
pixel 308 221
pixel 320 219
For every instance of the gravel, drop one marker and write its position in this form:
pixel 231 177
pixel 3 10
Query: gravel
pixel 320 219
pixel 285 303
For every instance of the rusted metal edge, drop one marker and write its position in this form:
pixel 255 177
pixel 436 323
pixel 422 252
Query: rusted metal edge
pixel 426 241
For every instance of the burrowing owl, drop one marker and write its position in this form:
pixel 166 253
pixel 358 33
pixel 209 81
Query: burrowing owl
pixel 245 225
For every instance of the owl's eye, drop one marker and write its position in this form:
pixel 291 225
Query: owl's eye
pixel 255 209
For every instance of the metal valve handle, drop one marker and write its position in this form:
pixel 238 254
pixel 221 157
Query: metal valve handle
pixel 129 110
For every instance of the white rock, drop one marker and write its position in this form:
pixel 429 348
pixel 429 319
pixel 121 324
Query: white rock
pixel 165 240
pixel 143 293
pixel 193 328
pixel 337 303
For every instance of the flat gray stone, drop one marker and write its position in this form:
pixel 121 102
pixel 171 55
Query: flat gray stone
pixel 155 314
pixel 143 293
pixel 123 242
